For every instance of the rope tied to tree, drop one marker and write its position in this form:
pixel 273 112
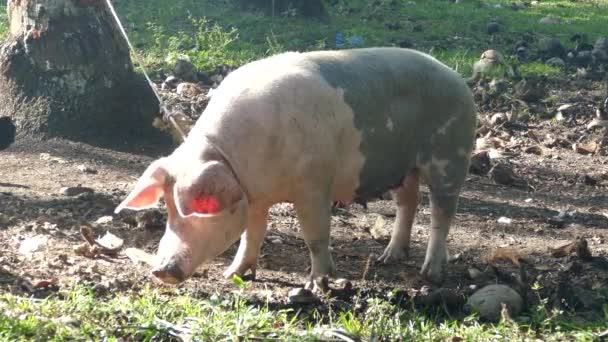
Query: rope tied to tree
pixel 163 108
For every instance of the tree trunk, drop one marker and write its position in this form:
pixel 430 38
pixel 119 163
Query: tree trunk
pixel 65 71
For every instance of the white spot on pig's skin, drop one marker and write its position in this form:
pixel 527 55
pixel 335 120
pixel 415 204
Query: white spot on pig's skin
pixel 444 128
pixel 440 166
pixel 389 124
pixel 340 92
pixel 462 152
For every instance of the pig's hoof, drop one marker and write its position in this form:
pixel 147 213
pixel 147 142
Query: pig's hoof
pixel 435 275
pixel 318 284
pixel 240 271
pixel 392 255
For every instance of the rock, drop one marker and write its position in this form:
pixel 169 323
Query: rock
pixel 345 284
pixel 600 50
pixel 498 119
pixel 556 62
pixel 536 149
pixel 559 220
pixel 275 240
pixel 301 296
pixel 439 298
pixel 488 143
pixel 68 321
pixel 530 89
pixel 49 158
pixel 72 191
pixel 104 220
pixel 504 221
pixel 589 180
pixel 489 60
pixel 568 296
pixel 521 52
pixel 407 43
pixel 170 83
pixel 487 302
pixel 493 27
pixel 86 169
pixel 551 47
pixel 586 148
pixel 503 174
pixel 474 273
pixel 188 89
pixel 498 86
pixel 550 21
pixel 480 163
pixel 184 69
pixel 581 58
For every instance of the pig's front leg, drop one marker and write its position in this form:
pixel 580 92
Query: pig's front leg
pixel 314 215
pixel 246 257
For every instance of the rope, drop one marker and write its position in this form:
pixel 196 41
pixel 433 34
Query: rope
pixel 152 85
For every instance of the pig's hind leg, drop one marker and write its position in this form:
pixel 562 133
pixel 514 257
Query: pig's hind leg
pixel 445 179
pixel 406 198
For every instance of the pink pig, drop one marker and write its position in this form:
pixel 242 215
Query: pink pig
pixel 313 128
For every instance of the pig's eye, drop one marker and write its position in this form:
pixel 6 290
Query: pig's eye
pixel 205 205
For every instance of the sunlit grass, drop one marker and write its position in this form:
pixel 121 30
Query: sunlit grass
pixel 155 314
pixel 3 22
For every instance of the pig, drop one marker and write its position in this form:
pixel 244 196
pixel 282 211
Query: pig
pixel 312 129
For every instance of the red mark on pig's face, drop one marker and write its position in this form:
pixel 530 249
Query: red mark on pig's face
pixel 205 205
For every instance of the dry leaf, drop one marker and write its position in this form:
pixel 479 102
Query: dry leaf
pixel 588 148
pixel 137 255
pixel 505 254
pixel 578 247
pixel 46 283
pixel 110 242
pixel 538 150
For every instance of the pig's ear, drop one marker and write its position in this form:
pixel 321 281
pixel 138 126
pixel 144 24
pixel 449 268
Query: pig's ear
pixel 149 188
pixel 212 190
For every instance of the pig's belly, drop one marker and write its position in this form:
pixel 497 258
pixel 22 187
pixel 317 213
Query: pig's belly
pixel 379 175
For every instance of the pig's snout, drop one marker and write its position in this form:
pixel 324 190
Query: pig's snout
pixel 169 273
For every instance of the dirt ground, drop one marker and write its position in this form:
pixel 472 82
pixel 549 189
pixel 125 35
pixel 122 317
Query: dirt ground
pixel 561 195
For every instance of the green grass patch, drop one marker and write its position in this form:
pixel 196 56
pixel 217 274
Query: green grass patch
pixel 454 33
pixel 154 314
pixel 3 22
pixel 215 33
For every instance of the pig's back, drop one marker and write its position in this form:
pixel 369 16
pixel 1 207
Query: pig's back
pixel 400 99
pixel 361 117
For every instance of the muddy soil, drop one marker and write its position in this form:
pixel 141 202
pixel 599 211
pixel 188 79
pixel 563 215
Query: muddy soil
pixel 564 196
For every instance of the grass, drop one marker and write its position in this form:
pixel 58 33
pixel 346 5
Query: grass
pixel 214 33
pixel 454 33
pixel 3 22
pixel 154 314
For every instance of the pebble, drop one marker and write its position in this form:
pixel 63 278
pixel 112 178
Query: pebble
pixel 487 302
pixel 72 191
pixel 301 296
pixel 86 169
pixel 556 62
pixel 184 69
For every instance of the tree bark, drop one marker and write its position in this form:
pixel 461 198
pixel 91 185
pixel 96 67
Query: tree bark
pixel 65 71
